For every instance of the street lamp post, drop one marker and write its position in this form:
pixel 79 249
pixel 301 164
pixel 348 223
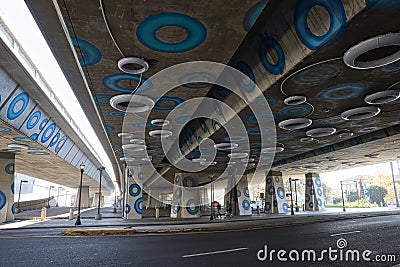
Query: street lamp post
pixel 291 196
pixel 295 193
pixel 115 201
pixel 78 218
pixel 98 215
pixel 341 188
pixel 48 201
pixel 212 198
pixel 19 194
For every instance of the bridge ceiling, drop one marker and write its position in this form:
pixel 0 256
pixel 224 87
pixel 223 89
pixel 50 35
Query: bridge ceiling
pixel 294 48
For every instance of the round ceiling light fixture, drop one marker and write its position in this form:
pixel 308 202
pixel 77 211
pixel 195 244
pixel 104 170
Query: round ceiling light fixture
pixel 137 141
pixel 361 113
pixel 18 146
pixel 123 62
pixel 295 124
pixel 382 97
pixel 160 133
pixel 295 100
pixel 125 135
pixel 121 103
pixel 344 133
pixel 160 122
pixel 134 147
pixel 309 140
pixel 238 155
pixel 226 146
pixel 321 132
pixel 386 40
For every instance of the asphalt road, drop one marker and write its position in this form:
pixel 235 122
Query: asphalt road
pixel 40 247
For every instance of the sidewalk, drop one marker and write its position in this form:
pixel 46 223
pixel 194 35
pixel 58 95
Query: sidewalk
pixel 113 221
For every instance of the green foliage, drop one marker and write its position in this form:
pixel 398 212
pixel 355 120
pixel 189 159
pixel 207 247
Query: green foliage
pixel 377 194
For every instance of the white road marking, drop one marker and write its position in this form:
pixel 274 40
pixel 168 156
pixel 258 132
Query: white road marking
pixel 214 252
pixel 346 233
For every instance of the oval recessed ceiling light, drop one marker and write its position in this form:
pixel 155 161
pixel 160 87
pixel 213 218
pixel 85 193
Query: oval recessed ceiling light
pixel 160 122
pixel 321 132
pixel 125 135
pixel 295 100
pixel 267 150
pixel 295 124
pixel 238 155
pixel 360 113
pixel 122 103
pixel 309 140
pixel 137 141
pixel 391 39
pixel 382 97
pixel 160 133
pixel 344 133
pixel 226 146
pixel 18 146
pixel 134 147
pixel 133 61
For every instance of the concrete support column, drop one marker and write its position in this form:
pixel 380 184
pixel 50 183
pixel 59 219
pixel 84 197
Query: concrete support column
pixel 186 196
pixel 85 203
pixel 7 187
pixel 133 193
pixel 95 202
pixel 314 197
pixel 275 197
pixel 239 196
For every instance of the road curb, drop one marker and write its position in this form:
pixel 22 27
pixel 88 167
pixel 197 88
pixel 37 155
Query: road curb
pixel 97 232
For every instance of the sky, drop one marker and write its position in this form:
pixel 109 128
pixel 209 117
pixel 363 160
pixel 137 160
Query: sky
pixel 19 20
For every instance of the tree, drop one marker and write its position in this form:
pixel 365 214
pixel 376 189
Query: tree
pixel 377 194
pixel 353 196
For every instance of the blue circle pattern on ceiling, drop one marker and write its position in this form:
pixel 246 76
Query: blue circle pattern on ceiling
pixel 246 69
pixel 117 114
pixel 270 43
pixel 12 114
pixel 186 79
pixel 295 110
pixel 258 131
pixel 196 32
pixel 270 101
pixel 4 129
pixel 343 92
pixel 252 14
pixel 138 209
pixel 315 74
pixel 91 55
pixel 109 128
pixel 333 120
pixel 392 67
pixel 235 138
pixel 38 153
pixel 98 100
pixel 383 4
pixel 134 190
pixel 177 103
pixel 33 119
pixel 146 125
pixel 3 200
pixel 337 27
pixel 111 82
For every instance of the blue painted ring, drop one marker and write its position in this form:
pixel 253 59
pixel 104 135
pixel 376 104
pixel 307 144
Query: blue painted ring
pixel 383 4
pixel 134 190
pixel 186 79
pixel 316 74
pixel 60 143
pixel 319 192
pixel 270 43
pixel 10 168
pixel 3 200
pixel 271 190
pixel 33 119
pixel 177 103
pixel 91 55
pixel 295 110
pixel 46 135
pixel 137 207
pixel 285 207
pixel 246 204
pixel 111 82
pixel 355 90
pixel 127 208
pixel 11 113
pixel 196 32
pixel 98 100
pixel 280 192
pixel 337 16
pixel 246 192
pixel 246 69
pixel 190 210
pixel 318 182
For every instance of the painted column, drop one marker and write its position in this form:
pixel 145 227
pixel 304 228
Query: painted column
pixel 7 187
pixel 314 197
pixel 275 201
pixel 186 196
pixel 95 202
pixel 133 195
pixel 85 197
pixel 239 196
